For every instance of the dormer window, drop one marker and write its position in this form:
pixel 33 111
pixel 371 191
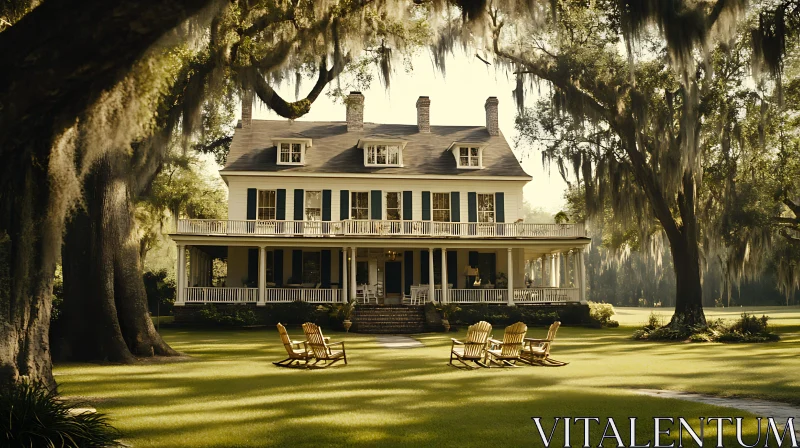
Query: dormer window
pixel 469 156
pixel 292 151
pixel 380 153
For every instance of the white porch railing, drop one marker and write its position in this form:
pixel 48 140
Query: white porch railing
pixel 315 295
pixel 199 294
pixel 379 228
pixel 202 294
pixel 478 295
pixel 546 295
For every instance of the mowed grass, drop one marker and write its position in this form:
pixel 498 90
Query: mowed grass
pixel 228 394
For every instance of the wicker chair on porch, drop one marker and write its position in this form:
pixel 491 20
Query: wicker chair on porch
pixel 537 351
pixel 473 348
pixel 320 346
pixel 297 350
pixel 507 352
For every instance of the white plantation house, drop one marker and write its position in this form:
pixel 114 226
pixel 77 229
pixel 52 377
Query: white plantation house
pixel 392 214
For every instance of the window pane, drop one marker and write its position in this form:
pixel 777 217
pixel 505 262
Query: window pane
pixel 313 199
pixel 465 161
pixel 311 267
pixel 371 154
pixel 464 151
pixel 474 152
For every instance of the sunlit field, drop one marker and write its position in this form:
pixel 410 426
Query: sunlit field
pixel 228 394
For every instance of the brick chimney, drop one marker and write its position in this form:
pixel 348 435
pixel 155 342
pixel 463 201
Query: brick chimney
pixel 491 115
pixel 247 108
pixel 424 114
pixel 355 111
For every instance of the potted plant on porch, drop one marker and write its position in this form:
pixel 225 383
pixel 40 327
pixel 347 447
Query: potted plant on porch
pixel 447 310
pixel 346 312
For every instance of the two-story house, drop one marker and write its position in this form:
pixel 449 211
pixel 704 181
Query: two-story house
pixel 317 210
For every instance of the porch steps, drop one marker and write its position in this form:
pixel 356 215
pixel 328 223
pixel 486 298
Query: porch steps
pixel 388 319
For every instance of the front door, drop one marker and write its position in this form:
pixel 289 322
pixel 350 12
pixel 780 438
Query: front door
pixel 394 283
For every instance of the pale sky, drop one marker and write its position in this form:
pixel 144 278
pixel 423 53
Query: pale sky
pixel 456 99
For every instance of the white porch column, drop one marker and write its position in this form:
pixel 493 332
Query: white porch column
pixel 576 271
pixel 431 289
pixel 551 275
pixel 582 282
pixel 445 296
pixel 344 275
pixel 544 271
pixel 262 276
pixel 180 274
pixel 510 277
pixel 353 274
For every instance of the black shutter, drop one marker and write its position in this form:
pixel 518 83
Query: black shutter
pixel 280 205
pixel 277 265
pixel 298 204
pixel 423 266
pixel 472 206
pixel 426 205
pixel 452 268
pixel 297 266
pixel 325 265
pixel 326 205
pixel 251 203
pixel 344 204
pixel 341 271
pixel 408 206
pixel 408 259
pixel 455 207
pixel 499 207
pixel 252 266
pixel 377 205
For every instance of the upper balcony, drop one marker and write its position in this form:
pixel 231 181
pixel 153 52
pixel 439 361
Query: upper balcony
pixel 380 228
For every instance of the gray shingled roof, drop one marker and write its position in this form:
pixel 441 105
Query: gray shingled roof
pixel 334 150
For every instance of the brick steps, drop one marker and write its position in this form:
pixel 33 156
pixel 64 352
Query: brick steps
pixel 388 319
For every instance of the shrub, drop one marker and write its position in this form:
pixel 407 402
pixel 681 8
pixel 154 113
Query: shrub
pixel 228 316
pixel 32 415
pixel 298 312
pixel 160 291
pixel 503 315
pixel 747 328
pixel 601 313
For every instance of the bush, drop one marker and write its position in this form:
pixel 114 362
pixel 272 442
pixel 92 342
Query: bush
pixel 228 316
pixel 503 315
pixel 748 328
pixel 601 313
pixel 298 312
pixel 32 415
pixel 160 292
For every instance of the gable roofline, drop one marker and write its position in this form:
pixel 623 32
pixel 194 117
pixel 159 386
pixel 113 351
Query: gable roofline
pixel 227 173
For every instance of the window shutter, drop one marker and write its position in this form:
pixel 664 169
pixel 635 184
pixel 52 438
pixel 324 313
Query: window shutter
pixel 325 266
pixel 455 206
pixel 344 204
pixel 277 266
pixel 408 207
pixel 280 205
pixel 326 205
pixel 426 205
pixel 423 266
pixel 298 204
pixel 408 260
pixel 341 271
pixel 452 268
pixel 377 205
pixel 251 203
pixel 297 266
pixel 499 207
pixel 472 212
pixel 252 266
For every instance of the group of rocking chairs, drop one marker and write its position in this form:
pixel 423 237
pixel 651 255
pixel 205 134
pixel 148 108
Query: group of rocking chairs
pixel 315 347
pixel 479 348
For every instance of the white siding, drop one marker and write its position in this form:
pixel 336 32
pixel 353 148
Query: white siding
pixel 238 185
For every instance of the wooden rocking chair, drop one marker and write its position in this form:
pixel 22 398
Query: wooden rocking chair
pixel 473 348
pixel 537 351
pixel 297 350
pixel 507 352
pixel 320 346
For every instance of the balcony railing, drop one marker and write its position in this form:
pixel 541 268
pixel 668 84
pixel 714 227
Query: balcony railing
pixel 379 228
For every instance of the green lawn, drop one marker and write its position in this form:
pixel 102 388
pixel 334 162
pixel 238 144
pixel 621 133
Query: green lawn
pixel 228 394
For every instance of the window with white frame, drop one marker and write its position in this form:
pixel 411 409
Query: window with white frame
pixel 394 206
pixel 441 207
pixel 485 208
pixel 469 157
pixel 266 205
pixel 313 206
pixel 291 153
pixel 359 205
pixel 382 155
